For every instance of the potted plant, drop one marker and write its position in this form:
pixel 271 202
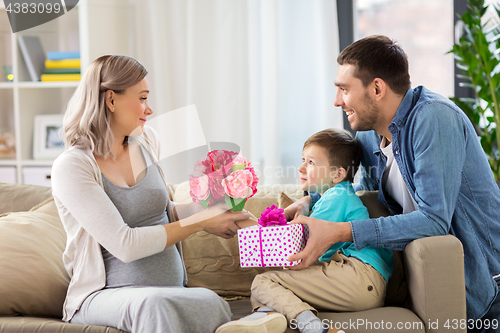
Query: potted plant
pixel 477 56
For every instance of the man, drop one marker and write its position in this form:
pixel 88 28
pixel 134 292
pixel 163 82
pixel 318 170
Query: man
pixel 423 155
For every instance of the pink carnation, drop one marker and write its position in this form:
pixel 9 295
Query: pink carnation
pixel 214 177
pixel 272 216
pixel 221 161
pixel 240 161
pixel 250 168
pixel 203 166
pixel 200 187
pixel 238 184
pixel 216 185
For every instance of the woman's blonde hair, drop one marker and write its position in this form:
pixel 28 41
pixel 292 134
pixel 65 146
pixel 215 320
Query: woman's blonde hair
pixel 86 121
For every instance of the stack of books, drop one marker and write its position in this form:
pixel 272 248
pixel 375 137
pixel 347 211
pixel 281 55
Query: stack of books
pixel 62 66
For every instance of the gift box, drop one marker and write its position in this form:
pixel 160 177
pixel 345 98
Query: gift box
pixel 271 246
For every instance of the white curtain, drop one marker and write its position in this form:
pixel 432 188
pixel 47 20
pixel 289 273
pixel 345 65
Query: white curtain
pixel 260 73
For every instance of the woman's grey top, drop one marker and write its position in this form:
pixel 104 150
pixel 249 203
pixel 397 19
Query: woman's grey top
pixel 143 205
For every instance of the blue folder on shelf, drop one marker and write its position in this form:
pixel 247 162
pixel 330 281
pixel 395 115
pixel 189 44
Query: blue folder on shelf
pixel 60 55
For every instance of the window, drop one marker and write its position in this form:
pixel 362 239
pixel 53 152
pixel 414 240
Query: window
pixel 423 28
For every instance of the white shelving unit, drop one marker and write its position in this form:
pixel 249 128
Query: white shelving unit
pixel 95 28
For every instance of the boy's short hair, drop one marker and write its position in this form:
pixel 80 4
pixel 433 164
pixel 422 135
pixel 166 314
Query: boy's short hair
pixel 378 57
pixel 341 148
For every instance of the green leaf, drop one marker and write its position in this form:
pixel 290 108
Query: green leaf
pixel 485 144
pixel 238 167
pixel 495 79
pixel 236 204
pixel 467 18
pixel 485 94
pixel 482 11
pixel 204 203
pixel 490 63
pixel 476 3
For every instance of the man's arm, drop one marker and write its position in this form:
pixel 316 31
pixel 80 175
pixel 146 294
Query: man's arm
pixel 432 168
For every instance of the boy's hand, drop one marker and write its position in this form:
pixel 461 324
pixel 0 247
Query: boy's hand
pixel 322 235
pixel 298 208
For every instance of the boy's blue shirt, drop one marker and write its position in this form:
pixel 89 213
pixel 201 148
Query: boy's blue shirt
pixel 341 204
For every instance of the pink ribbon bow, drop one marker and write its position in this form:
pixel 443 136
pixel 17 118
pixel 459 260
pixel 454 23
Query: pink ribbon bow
pixel 272 216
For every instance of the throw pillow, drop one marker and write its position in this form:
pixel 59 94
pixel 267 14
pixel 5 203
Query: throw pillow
pixel 33 279
pixel 370 200
pixel 284 200
pixel 397 289
pixel 20 198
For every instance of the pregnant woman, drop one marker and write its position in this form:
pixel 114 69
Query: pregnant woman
pixel 123 249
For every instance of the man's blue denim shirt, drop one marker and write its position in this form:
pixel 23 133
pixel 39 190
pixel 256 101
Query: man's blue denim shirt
pixel 447 173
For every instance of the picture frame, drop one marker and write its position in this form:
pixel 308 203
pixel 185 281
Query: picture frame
pixel 48 136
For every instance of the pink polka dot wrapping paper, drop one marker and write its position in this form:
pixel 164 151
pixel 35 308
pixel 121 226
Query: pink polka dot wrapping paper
pixel 271 246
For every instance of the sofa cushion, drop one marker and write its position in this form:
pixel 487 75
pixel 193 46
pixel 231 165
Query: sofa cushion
pixel 370 200
pixel 33 280
pixel 20 198
pixel 213 262
pixel 397 288
pixel 20 324
pixel 284 200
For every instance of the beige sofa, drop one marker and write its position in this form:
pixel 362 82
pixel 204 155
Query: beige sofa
pixel 427 289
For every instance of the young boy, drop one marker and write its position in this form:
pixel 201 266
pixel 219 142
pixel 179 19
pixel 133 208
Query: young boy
pixel 345 279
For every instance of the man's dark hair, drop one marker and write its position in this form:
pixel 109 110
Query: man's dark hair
pixel 378 57
pixel 341 148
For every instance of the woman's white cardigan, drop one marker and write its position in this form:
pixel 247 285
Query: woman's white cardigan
pixel 91 219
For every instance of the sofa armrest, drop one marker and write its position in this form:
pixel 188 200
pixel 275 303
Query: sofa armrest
pixel 436 282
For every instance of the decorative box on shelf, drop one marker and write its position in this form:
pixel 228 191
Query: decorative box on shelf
pixel 37 176
pixel 8 174
pixel 272 245
pixel 7 145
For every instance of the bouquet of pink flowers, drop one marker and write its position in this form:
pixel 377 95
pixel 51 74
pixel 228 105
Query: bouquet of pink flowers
pixel 223 175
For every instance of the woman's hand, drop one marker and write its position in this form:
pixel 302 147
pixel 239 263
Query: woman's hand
pixel 218 220
pixel 223 223
pixel 299 207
